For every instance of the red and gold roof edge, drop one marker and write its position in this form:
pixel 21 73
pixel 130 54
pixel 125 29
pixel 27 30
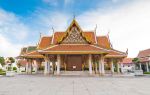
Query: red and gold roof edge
pixel 111 53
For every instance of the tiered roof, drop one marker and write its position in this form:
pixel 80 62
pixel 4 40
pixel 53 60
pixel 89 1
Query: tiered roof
pixel 127 61
pixel 144 55
pixel 60 43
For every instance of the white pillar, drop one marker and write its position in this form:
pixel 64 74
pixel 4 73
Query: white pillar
pixel 147 68
pixel 58 64
pixel 48 67
pixel 90 64
pixel 118 67
pixel 45 67
pixel 140 66
pixel 100 67
pixel 121 67
pixel 27 67
pixel 35 66
pixel 112 66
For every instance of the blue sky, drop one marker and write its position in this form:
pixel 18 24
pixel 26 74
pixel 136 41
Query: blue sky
pixel 21 21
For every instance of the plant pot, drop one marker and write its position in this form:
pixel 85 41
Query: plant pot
pixel 138 72
pixel 10 73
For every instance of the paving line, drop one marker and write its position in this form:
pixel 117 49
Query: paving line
pixel 89 93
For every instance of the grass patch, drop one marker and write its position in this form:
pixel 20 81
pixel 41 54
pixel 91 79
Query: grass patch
pixel 33 71
pixel 2 73
pixel 23 71
pixel 146 72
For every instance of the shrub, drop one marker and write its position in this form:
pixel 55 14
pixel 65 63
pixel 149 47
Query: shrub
pixel 23 71
pixel 2 72
pixel 146 72
pixel 41 68
pixel 33 71
pixel 14 68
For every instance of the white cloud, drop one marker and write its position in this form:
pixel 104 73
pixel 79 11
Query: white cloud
pixel 12 31
pixel 8 49
pixel 57 20
pixel 128 25
pixel 11 25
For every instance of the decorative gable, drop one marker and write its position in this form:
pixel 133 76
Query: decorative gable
pixel 74 37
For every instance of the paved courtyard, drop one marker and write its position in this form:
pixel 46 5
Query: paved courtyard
pixel 47 85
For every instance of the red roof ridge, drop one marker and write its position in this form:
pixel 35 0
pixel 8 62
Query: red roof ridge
pixel 118 51
pixel 127 60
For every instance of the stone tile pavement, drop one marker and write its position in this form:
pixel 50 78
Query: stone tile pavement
pixel 74 85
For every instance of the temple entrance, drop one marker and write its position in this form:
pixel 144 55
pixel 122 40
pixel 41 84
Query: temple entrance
pixel 74 63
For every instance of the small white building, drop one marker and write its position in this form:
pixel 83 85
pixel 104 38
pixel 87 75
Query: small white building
pixel 128 65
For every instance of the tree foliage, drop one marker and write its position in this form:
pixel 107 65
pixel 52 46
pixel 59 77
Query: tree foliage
pixel 2 61
pixel 12 60
pixel 136 60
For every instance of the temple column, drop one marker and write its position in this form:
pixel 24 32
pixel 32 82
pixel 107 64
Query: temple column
pixel 112 66
pixel 118 67
pixel 147 68
pixel 90 64
pixel 46 65
pixel 121 67
pixel 58 64
pixel 102 65
pixel 35 66
pixel 140 66
pixel 29 66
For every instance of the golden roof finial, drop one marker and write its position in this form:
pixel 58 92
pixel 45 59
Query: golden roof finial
pixel 53 30
pixel 40 34
pixel 74 16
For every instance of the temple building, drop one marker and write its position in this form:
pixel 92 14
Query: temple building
pixel 73 50
pixel 144 60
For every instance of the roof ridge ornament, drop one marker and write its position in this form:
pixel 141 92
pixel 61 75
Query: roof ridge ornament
pixel 52 36
pixel 74 16
pixel 40 34
pixel 109 38
pixel 95 33
pixel 127 51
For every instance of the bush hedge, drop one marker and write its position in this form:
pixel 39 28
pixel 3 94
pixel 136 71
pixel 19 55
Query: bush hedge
pixel 146 72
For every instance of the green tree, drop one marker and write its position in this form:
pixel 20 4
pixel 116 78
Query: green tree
pixel 2 61
pixel 136 60
pixel 12 60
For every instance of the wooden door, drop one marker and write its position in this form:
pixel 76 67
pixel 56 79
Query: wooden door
pixel 74 62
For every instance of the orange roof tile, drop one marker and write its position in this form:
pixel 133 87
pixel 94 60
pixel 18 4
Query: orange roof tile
pixel 74 49
pixel 103 41
pixel 57 36
pixel 114 53
pixel 90 36
pixel 144 53
pixel 127 61
pixel 144 59
pixel 33 54
pixel 44 42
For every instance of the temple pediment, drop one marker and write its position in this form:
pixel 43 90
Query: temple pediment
pixel 74 35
